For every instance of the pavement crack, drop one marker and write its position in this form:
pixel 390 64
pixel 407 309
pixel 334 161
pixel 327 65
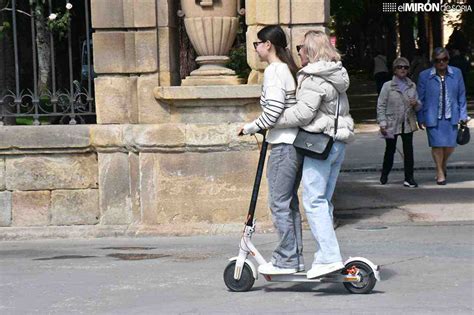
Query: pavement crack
pixel 402 261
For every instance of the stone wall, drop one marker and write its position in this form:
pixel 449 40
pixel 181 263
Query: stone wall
pixel 62 181
pixel 162 158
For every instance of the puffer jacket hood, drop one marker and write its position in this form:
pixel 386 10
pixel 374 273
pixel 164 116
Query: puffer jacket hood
pixel 330 71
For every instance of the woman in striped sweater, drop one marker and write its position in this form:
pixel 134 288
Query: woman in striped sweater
pixel 284 163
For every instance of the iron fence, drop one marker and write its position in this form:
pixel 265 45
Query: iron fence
pixel 66 101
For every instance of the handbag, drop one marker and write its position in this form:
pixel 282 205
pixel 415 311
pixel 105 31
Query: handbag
pixel 316 145
pixel 463 134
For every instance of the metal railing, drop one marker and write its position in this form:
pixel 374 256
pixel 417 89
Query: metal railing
pixel 70 103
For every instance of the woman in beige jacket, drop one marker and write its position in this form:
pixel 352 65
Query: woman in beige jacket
pixel 321 82
pixel 396 115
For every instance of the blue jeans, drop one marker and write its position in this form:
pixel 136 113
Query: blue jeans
pixel 319 182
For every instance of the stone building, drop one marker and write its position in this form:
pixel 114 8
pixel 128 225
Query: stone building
pixel 164 156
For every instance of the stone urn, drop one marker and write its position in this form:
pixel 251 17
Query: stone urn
pixel 212 27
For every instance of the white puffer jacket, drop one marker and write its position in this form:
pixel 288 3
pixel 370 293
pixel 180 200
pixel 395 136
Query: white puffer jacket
pixel 319 85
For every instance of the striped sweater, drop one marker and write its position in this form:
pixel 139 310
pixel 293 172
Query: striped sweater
pixel 278 93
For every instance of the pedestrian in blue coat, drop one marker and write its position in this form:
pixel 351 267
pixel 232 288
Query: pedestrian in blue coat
pixel 442 94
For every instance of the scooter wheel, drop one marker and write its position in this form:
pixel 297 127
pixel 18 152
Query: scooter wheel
pixel 245 282
pixel 367 278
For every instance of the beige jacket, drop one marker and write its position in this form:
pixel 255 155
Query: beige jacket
pixel 394 109
pixel 319 86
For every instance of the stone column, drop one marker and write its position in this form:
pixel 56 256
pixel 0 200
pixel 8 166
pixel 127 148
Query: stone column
pixel 132 55
pixel 295 16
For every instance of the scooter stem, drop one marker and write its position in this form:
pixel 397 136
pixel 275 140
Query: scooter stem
pixel 258 179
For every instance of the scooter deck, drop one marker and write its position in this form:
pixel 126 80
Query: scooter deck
pixel 301 277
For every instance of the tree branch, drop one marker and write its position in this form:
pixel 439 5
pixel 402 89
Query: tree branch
pixel 19 11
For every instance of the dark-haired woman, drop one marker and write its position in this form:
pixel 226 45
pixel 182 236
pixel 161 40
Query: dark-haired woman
pixel 284 163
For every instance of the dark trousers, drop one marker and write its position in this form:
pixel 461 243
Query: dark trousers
pixel 390 148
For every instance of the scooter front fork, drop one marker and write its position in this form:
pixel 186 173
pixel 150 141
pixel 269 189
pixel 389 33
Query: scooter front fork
pixel 247 248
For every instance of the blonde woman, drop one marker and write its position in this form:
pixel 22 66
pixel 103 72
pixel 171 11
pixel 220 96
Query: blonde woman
pixel 321 82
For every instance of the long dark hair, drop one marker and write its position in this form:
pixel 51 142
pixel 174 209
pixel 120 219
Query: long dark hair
pixel 275 35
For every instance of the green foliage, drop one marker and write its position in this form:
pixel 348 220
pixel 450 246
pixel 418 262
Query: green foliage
pixel 238 61
pixel 4 28
pixel 60 25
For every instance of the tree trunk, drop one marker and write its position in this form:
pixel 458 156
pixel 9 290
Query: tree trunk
pixel 422 39
pixel 407 41
pixel 44 51
pixel 437 29
pixel 391 40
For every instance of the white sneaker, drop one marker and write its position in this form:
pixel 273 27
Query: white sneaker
pixel 301 268
pixel 318 270
pixel 269 269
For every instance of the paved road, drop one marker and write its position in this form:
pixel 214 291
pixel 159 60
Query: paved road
pixel 426 269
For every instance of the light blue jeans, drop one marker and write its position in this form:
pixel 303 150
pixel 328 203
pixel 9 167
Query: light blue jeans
pixel 319 182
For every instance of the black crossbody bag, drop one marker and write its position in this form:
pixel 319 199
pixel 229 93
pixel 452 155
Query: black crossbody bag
pixel 316 145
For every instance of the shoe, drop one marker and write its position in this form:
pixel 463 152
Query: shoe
pixel 301 268
pixel 442 182
pixel 383 179
pixel 410 183
pixel 318 270
pixel 269 269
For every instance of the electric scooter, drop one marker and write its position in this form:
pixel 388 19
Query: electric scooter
pixel 359 275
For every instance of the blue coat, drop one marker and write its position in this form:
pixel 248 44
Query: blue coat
pixel 429 94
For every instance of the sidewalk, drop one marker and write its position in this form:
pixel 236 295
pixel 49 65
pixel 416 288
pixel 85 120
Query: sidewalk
pixel 366 152
pixel 359 197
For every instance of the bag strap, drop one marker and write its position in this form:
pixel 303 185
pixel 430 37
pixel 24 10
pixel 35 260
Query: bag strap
pixel 337 113
pixel 337 109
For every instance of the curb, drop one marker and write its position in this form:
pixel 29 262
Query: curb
pixel 399 169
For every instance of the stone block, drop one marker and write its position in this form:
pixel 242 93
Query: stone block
pixel 150 136
pixel 125 52
pixel 106 136
pixel 123 13
pixel 255 77
pixel 5 208
pixel 167 13
pixel 150 110
pixel 170 78
pixel 144 12
pixel 271 12
pixel 114 189
pixel 266 12
pixel 30 208
pixel 251 12
pixel 149 188
pixel 198 187
pixel 75 207
pixel 116 100
pixel 45 172
pixel 146 47
pixel 304 12
pixel 2 174
pixel 168 50
pixel 134 175
pixel 203 135
pixel 44 137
